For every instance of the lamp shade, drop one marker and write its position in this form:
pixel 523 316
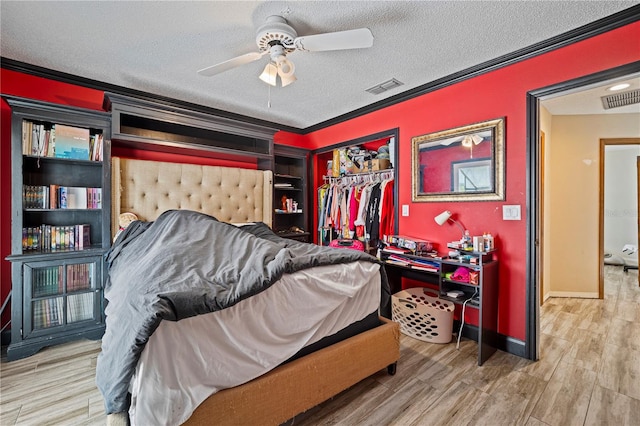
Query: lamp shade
pixel 443 217
pixel 287 80
pixel 285 67
pixel 269 74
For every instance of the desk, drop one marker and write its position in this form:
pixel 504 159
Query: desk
pixel 486 301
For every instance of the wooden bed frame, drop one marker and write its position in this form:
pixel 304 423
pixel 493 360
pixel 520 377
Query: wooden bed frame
pixel 149 188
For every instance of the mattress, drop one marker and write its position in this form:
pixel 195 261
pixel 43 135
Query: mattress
pixel 184 362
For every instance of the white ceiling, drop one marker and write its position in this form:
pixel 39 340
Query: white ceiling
pixel 157 46
pixel 588 99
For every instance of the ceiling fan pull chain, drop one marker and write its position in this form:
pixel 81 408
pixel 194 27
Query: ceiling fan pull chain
pixel 269 97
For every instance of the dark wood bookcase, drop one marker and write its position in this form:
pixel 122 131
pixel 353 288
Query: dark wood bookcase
pixel 290 181
pixel 57 293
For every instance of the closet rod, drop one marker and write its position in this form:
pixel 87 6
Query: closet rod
pixel 377 174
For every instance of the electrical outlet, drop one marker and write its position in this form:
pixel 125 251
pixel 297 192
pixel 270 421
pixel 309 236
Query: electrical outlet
pixel 511 212
pixel 405 210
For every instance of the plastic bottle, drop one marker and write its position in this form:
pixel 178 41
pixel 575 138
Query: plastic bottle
pixel 466 244
pixel 489 243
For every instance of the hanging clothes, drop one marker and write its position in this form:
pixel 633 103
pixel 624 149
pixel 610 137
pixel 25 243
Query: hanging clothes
pixel 387 218
pixel 372 226
pixel 346 208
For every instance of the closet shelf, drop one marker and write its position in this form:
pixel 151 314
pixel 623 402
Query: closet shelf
pixel 279 175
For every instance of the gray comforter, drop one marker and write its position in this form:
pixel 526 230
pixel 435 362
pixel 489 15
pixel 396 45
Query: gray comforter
pixel 185 264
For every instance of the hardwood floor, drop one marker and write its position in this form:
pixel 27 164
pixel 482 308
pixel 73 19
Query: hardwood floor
pixel 588 374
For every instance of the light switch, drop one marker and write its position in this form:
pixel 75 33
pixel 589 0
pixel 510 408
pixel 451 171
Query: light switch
pixel 405 210
pixel 511 212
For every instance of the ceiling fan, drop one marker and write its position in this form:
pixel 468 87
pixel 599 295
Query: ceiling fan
pixel 277 38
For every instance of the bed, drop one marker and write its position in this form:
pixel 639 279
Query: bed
pixel 275 391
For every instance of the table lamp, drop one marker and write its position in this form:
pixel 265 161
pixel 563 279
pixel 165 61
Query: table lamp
pixel 446 216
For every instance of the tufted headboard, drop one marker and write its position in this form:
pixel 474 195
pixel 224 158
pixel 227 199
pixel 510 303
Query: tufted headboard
pixel 148 188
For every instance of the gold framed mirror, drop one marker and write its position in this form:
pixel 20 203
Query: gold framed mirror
pixel 461 164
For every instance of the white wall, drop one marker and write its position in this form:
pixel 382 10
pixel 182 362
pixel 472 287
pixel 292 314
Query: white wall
pixel 546 122
pixel 620 197
pixel 573 172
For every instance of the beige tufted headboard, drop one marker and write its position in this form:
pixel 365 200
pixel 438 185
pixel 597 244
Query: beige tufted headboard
pixel 148 188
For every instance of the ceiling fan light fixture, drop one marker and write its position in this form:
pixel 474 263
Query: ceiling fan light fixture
pixel 269 74
pixel 285 67
pixel 287 79
pixel 277 38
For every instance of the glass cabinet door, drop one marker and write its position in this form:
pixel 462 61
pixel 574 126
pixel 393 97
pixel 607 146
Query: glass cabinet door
pixel 61 294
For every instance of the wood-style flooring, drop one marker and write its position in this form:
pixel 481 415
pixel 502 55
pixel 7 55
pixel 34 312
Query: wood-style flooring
pixel 588 374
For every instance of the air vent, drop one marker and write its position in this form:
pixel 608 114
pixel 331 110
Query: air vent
pixel 621 99
pixel 383 87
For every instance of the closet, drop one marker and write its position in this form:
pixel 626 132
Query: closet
pixel 356 199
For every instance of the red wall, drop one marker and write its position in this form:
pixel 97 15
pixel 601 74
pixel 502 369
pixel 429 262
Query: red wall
pixel 503 93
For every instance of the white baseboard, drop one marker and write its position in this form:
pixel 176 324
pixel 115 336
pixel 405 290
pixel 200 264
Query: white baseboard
pixel 575 294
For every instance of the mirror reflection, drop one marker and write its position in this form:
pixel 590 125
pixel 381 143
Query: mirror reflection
pixel 465 163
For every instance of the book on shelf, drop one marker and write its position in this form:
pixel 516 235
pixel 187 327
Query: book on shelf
pixel 35 196
pixel 395 249
pixel 51 150
pixel 39 140
pixel 62 141
pixel 48 312
pixel 78 277
pixel 47 281
pixel 95 147
pixel 77 197
pixel 79 307
pixel 84 235
pixel 396 262
pixel 425 268
pixel 62 197
pixel 423 264
pixel 50 237
pixel 71 142
pixel 95 195
pixel 26 139
pixel 53 196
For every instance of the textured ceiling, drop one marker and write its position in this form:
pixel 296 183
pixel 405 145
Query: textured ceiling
pixel 157 46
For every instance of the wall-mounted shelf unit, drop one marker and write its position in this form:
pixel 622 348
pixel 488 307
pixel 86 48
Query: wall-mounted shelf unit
pixel 290 198
pixel 144 124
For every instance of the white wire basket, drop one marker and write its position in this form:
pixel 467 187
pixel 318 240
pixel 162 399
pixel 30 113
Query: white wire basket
pixel 422 316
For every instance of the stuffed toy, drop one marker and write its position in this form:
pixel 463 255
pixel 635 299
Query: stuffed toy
pixel 124 220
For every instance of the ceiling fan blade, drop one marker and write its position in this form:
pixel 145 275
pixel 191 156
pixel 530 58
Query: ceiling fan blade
pixel 340 40
pixel 231 63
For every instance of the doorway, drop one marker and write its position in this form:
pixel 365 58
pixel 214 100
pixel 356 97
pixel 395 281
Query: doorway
pixel 534 190
pixel 619 173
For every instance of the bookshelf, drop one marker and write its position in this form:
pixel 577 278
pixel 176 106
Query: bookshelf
pixel 290 186
pixel 60 224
